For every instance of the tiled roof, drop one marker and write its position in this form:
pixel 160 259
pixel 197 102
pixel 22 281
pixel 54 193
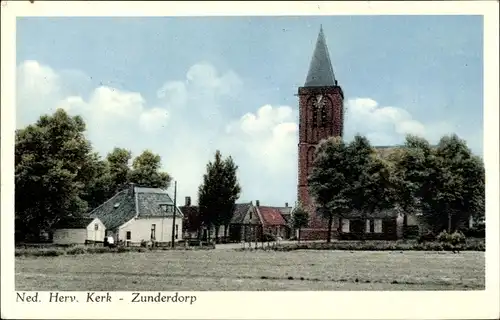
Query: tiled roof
pixel 124 206
pixel 149 201
pixel 240 210
pixel 271 216
pixel 74 223
pixel 117 210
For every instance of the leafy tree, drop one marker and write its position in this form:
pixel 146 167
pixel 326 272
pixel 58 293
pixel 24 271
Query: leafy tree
pixel 229 193
pixel 300 218
pixel 412 169
pixel 146 171
pixel 459 183
pixel 445 183
pixel 329 182
pixel 50 157
pixel 99 182
pixel 118 162
pixel 218 192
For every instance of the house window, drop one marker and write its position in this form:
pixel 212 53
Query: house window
pixel 153 231
pixel 250 215
pixel 129 235
pixel 96 227
pixel 377 225
pixel 167 208
pixel 176 231
pixel 345 225
pixel 367 226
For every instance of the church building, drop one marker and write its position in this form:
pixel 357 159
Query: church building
pixel 321 115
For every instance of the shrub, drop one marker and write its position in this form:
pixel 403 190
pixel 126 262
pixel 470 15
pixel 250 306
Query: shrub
pixel 76 250
pixel 457 238
pixel 47 253
pixel 121 249
pixel 443 237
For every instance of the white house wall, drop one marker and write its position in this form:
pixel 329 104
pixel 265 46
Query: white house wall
pixel 141 229
pixel 70 236
pixel 96 235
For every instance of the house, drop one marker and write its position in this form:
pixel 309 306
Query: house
pixel 245 224
pixel 379 225
pixel 79 231
pixel 248 223
pixel 272 220
pixel 139 214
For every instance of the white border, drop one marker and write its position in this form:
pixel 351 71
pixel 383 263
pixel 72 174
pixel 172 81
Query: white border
pixel 293 305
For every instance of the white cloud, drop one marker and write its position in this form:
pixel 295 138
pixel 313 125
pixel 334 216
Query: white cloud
pixel 188 122
pixel 386 125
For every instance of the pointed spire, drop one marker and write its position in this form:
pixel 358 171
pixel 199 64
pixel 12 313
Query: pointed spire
pixel 320 70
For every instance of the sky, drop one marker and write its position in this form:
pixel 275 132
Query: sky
pixel 184 87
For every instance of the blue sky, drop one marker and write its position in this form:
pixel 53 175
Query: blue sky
pixel 184 87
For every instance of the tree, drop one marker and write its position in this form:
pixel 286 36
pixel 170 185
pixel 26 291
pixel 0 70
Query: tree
pixel 218 192
pixel 445 183
pixel 412 173
pixel 458 189
pixel 229 193
pixel 329 180
pixel 300 218
pixel 50 157
pixel 99 185
pixel 146 171
pixel 118 162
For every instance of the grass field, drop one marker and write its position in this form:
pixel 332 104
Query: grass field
pixel 253 270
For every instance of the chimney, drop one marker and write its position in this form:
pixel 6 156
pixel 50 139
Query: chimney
pixel 257 203
pixel 286 204
pixel 188 201
pixel 131 188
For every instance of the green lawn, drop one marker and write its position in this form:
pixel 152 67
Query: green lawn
pixel 253 270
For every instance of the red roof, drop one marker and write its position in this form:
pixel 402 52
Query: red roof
pixel 271 216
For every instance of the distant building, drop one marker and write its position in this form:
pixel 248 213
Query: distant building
pixel 79 231
pixel 249 223
pixel 140 214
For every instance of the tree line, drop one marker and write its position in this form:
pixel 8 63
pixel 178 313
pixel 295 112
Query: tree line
pixel 444 183
pixel 59 175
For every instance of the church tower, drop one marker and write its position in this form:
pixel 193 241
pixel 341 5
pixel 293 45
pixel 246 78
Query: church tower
pixel 321 113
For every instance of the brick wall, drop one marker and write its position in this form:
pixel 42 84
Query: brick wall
pixel 309 136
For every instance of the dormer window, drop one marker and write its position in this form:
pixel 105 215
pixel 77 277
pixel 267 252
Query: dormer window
pixel 167 208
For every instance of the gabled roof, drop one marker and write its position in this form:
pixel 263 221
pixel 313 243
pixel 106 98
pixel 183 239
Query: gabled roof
pixel 271 216
pixel 74 223
pixel 126 205
pixel 240 211
pixel 320 69
pixel 149 201
pixel 117 210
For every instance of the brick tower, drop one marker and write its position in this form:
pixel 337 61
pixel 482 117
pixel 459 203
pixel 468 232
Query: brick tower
pixel 321 113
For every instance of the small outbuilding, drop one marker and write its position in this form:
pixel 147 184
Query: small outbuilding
pixel 79 231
